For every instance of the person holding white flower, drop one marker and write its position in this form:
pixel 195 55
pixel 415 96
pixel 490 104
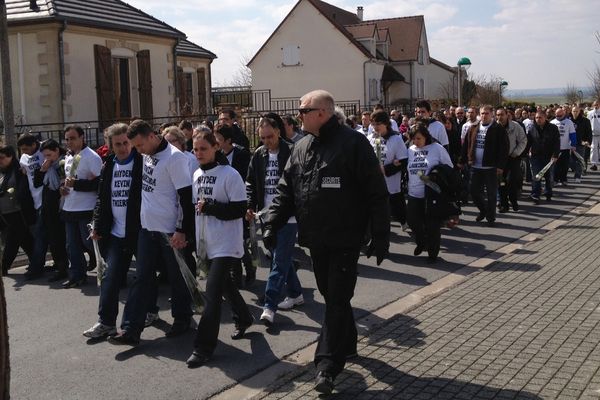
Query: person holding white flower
pixel 17 212
pixel 82 170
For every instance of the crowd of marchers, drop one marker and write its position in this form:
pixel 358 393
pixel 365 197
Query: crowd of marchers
pixel 186 201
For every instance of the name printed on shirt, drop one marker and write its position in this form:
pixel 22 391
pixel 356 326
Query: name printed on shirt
pixel 206 185
pixel 419 162
pixel 148 182
pixel 121 185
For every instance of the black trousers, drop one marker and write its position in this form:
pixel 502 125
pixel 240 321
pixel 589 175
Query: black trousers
pixel 398 207
pixel 562 166
pixel 219 282
pixel 15 233
pixel 485 201
pixel 335 273
pixel 512 177
pixel 427 230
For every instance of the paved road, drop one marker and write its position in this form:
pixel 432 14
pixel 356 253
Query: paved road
pixel 51 360
pixel 525 328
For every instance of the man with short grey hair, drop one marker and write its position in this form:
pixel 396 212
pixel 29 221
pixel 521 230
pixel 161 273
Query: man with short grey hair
pixel 334 186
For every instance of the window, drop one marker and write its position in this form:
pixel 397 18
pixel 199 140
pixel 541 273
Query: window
pixel 291 55
pixel 121 88
pixel 421 55
pixel 421 89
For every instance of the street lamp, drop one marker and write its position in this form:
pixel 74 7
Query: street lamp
pixel 502 84
pixel 466 63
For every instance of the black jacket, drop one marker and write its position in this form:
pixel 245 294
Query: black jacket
pixel 23 196
pixel 255 179
pixel 543 142
pixel 103 217
pixel 333 184
pixel 240 160
pixel 239 137
pixel 50 198
pixel 583 127
pixel 495 148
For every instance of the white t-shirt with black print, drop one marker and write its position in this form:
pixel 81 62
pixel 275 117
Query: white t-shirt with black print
pixel 223 184
pixel 89 167
pixel 421 161
pixel 480 145
pixel 119 194
pixel 163 174
pixel 271 180
pixel 565 127
pixel 31 164
pixel 437 130
pixel 391 149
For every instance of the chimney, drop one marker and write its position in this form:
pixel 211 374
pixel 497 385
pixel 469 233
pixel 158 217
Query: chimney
pixel 33 5
pixel 359 12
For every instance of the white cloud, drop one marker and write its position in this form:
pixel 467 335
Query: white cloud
pixel 534 44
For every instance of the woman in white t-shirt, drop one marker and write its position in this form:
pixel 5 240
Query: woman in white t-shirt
pixel 220 198
pixel 423 155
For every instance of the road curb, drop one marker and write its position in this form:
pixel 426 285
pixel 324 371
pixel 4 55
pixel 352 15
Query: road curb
pixel 255 384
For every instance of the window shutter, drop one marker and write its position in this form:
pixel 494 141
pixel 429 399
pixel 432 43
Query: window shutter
pixel 145 84
pixel 202 106
pixel 180 89
pixel 104 85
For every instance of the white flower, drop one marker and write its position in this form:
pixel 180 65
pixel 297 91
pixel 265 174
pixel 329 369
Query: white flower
pixel 10 190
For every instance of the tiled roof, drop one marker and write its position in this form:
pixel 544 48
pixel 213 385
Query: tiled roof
pixel 189 49
pixel 405 34
pixel 110 14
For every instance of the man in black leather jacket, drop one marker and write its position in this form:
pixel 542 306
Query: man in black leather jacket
pixel 333 184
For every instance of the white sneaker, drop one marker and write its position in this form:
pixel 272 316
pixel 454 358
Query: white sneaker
pixel 267 316
pixel 577 180
pixel 289 302
pixel 151 318
pixel 99 331
pixel 405 227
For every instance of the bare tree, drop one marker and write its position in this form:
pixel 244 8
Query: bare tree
pixel 447 89
pixel 571 94
pixel 488 89
pixel 243 75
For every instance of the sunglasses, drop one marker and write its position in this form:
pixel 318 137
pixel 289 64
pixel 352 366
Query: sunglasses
pixel 306 110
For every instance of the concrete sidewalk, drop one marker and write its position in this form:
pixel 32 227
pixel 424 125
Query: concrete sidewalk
pixel 526 328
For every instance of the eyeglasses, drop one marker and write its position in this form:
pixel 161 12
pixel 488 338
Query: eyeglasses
pixel 306 110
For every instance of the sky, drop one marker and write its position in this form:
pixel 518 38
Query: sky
pixel 533 44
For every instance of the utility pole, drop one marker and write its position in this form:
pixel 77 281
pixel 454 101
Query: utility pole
pixel 7 102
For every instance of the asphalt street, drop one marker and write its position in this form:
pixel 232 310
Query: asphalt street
pixel 52 360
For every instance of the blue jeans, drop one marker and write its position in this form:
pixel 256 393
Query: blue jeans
pixel 575 164
pixel 282 268
pixel 537 164
pixel 77 242
pixel 118 257
pixel 150 245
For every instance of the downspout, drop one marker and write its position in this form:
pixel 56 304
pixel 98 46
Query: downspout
pixel 411 86
pixel 209 102
pixel 61 63
pixel 365 84
pixel 175 76
pixel 21 77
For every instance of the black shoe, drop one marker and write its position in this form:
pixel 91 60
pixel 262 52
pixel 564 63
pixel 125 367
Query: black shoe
pixel 73 283
pixel 124 338
pixel 491 223
pixel 548 198
pixel 431 259
pixel 239 331
pixel 515 206
pixel 30 275
pixel 503 209
pixel 324 383
pixel 179 327
pixel 58 276
pixel 418 250
pixel 535 199
pixel 480 217
pixel 197 359
pixel 594 168
pixel 250 275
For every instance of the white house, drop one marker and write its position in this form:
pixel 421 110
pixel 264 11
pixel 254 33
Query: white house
pixel 321 46
pixel 101 60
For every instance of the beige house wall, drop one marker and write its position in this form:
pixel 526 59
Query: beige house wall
pixel 35 74
pixel 328 60
pixel 80 76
